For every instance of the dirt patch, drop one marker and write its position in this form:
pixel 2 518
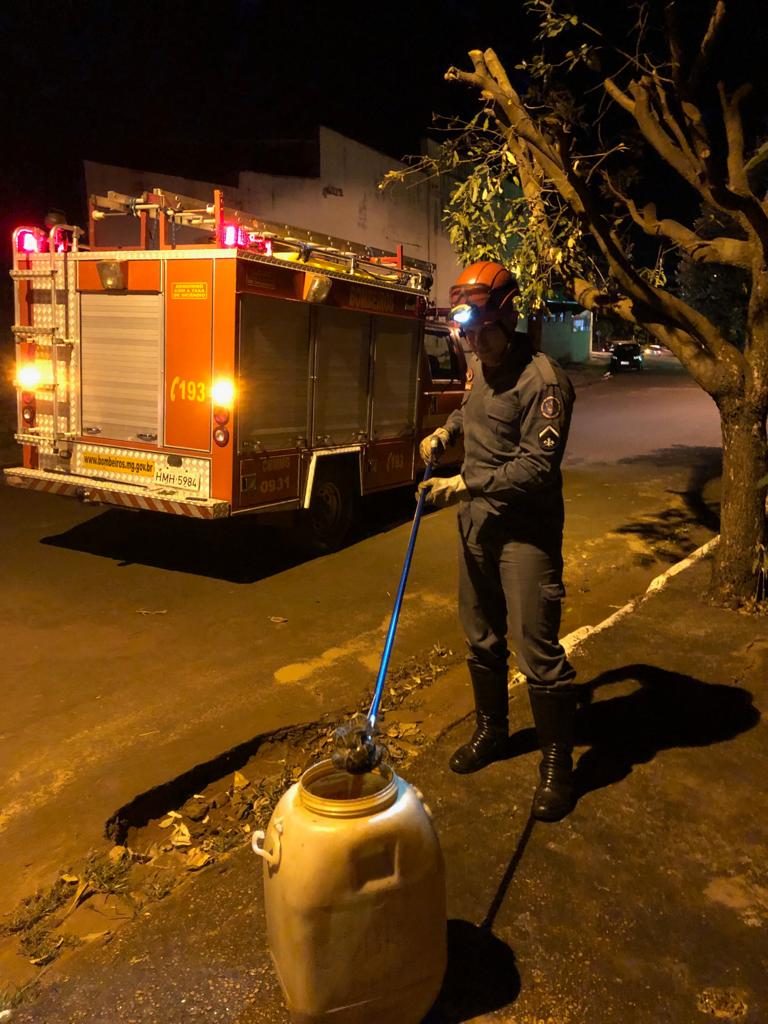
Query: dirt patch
pixel 90 902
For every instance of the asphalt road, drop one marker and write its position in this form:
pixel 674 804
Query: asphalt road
pixel 137 646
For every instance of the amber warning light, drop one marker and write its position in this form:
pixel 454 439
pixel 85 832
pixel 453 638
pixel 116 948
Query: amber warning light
pixel 28 377
pixel 223 395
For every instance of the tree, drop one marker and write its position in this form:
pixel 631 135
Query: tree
pixel 667 83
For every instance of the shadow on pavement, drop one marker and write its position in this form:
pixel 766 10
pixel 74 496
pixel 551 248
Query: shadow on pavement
pixel 482 974
pixel 706 464
pixel 667 710
pixel 242 549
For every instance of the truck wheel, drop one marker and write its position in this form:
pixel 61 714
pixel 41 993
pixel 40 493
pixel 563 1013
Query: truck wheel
pixel 334 505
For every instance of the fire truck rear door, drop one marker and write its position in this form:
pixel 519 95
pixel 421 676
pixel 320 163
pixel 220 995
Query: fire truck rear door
pixel 121 352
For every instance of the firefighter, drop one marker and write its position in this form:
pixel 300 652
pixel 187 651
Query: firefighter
pixel 514 419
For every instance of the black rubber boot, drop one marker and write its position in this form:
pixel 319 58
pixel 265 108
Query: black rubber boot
pixel 553 715
pixel 490 739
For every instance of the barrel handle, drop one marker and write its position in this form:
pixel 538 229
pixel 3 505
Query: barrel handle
pixel 424 804
pixel 271 857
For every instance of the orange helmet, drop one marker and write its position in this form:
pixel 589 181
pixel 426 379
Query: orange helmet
pixel 483 292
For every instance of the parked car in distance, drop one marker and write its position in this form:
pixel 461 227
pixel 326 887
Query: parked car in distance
pixel 626 355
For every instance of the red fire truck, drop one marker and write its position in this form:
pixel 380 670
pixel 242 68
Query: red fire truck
pixel 218 365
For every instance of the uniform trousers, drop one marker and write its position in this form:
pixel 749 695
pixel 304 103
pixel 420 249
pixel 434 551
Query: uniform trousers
pixel 510 596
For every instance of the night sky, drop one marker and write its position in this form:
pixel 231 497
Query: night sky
pixel 191 87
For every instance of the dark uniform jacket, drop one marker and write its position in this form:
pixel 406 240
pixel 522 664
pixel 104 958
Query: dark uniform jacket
pixel 514 419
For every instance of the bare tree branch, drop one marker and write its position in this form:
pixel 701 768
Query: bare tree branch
pixel 672 23
pixel 639 106
pixel 707 45
pixel 700 172
pixel 734 130
pixel 673 126
pixel 730 251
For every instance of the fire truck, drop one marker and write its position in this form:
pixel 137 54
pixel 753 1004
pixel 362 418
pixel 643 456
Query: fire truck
pixel 213 364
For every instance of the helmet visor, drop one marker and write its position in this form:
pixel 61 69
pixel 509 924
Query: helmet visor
pixel 469 294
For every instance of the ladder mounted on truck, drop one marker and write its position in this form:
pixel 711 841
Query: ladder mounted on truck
pixel 56 331
pixel 161 214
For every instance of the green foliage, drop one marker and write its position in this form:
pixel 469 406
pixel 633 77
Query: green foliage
pixel 101 874
pixel 488 217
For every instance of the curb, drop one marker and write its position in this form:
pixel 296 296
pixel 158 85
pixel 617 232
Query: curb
pixel 575 639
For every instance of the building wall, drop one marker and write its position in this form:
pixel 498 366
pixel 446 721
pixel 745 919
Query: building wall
pixel 345 201
pixel 567 336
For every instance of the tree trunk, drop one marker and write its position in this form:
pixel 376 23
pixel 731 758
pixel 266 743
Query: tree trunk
pixel 742 508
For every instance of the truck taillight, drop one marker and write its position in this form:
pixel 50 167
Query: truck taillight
pixel 221 436
pixel 28 408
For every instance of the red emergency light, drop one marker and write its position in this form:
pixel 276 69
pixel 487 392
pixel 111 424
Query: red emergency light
pixel 60 241
pixel 30 240
pixel 232 235
pixel 235 236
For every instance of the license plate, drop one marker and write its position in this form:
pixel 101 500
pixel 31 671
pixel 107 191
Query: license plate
pixel 178 476
pixel 623 363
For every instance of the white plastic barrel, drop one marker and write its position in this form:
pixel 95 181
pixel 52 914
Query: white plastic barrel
pixel 354 891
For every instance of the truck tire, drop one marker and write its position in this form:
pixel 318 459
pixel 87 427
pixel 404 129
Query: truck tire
pixel 334 505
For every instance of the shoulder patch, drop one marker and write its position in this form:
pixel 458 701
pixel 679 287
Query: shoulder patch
pixel 549 438
pixel 470 378
pixel 550 407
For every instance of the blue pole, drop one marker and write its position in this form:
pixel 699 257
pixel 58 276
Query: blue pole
pixel 374 708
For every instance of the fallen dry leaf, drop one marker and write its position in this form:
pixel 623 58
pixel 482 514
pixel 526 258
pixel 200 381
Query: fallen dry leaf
pixel 197 859
pixel 181 836
pixel 82 893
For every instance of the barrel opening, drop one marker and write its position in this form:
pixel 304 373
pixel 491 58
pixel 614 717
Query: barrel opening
pixel 340 785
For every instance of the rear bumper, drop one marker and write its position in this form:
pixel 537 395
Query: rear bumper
pixel 99 492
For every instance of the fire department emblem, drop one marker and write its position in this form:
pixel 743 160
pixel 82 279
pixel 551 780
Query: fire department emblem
pixel 549 438
pixel 550 407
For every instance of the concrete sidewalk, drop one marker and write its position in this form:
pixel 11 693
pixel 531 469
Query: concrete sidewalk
pixel 649 904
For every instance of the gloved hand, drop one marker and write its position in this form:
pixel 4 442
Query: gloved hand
pixel 442 491
pixel 425 448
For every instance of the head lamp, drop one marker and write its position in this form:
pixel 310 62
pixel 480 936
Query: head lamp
pixel 463 314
